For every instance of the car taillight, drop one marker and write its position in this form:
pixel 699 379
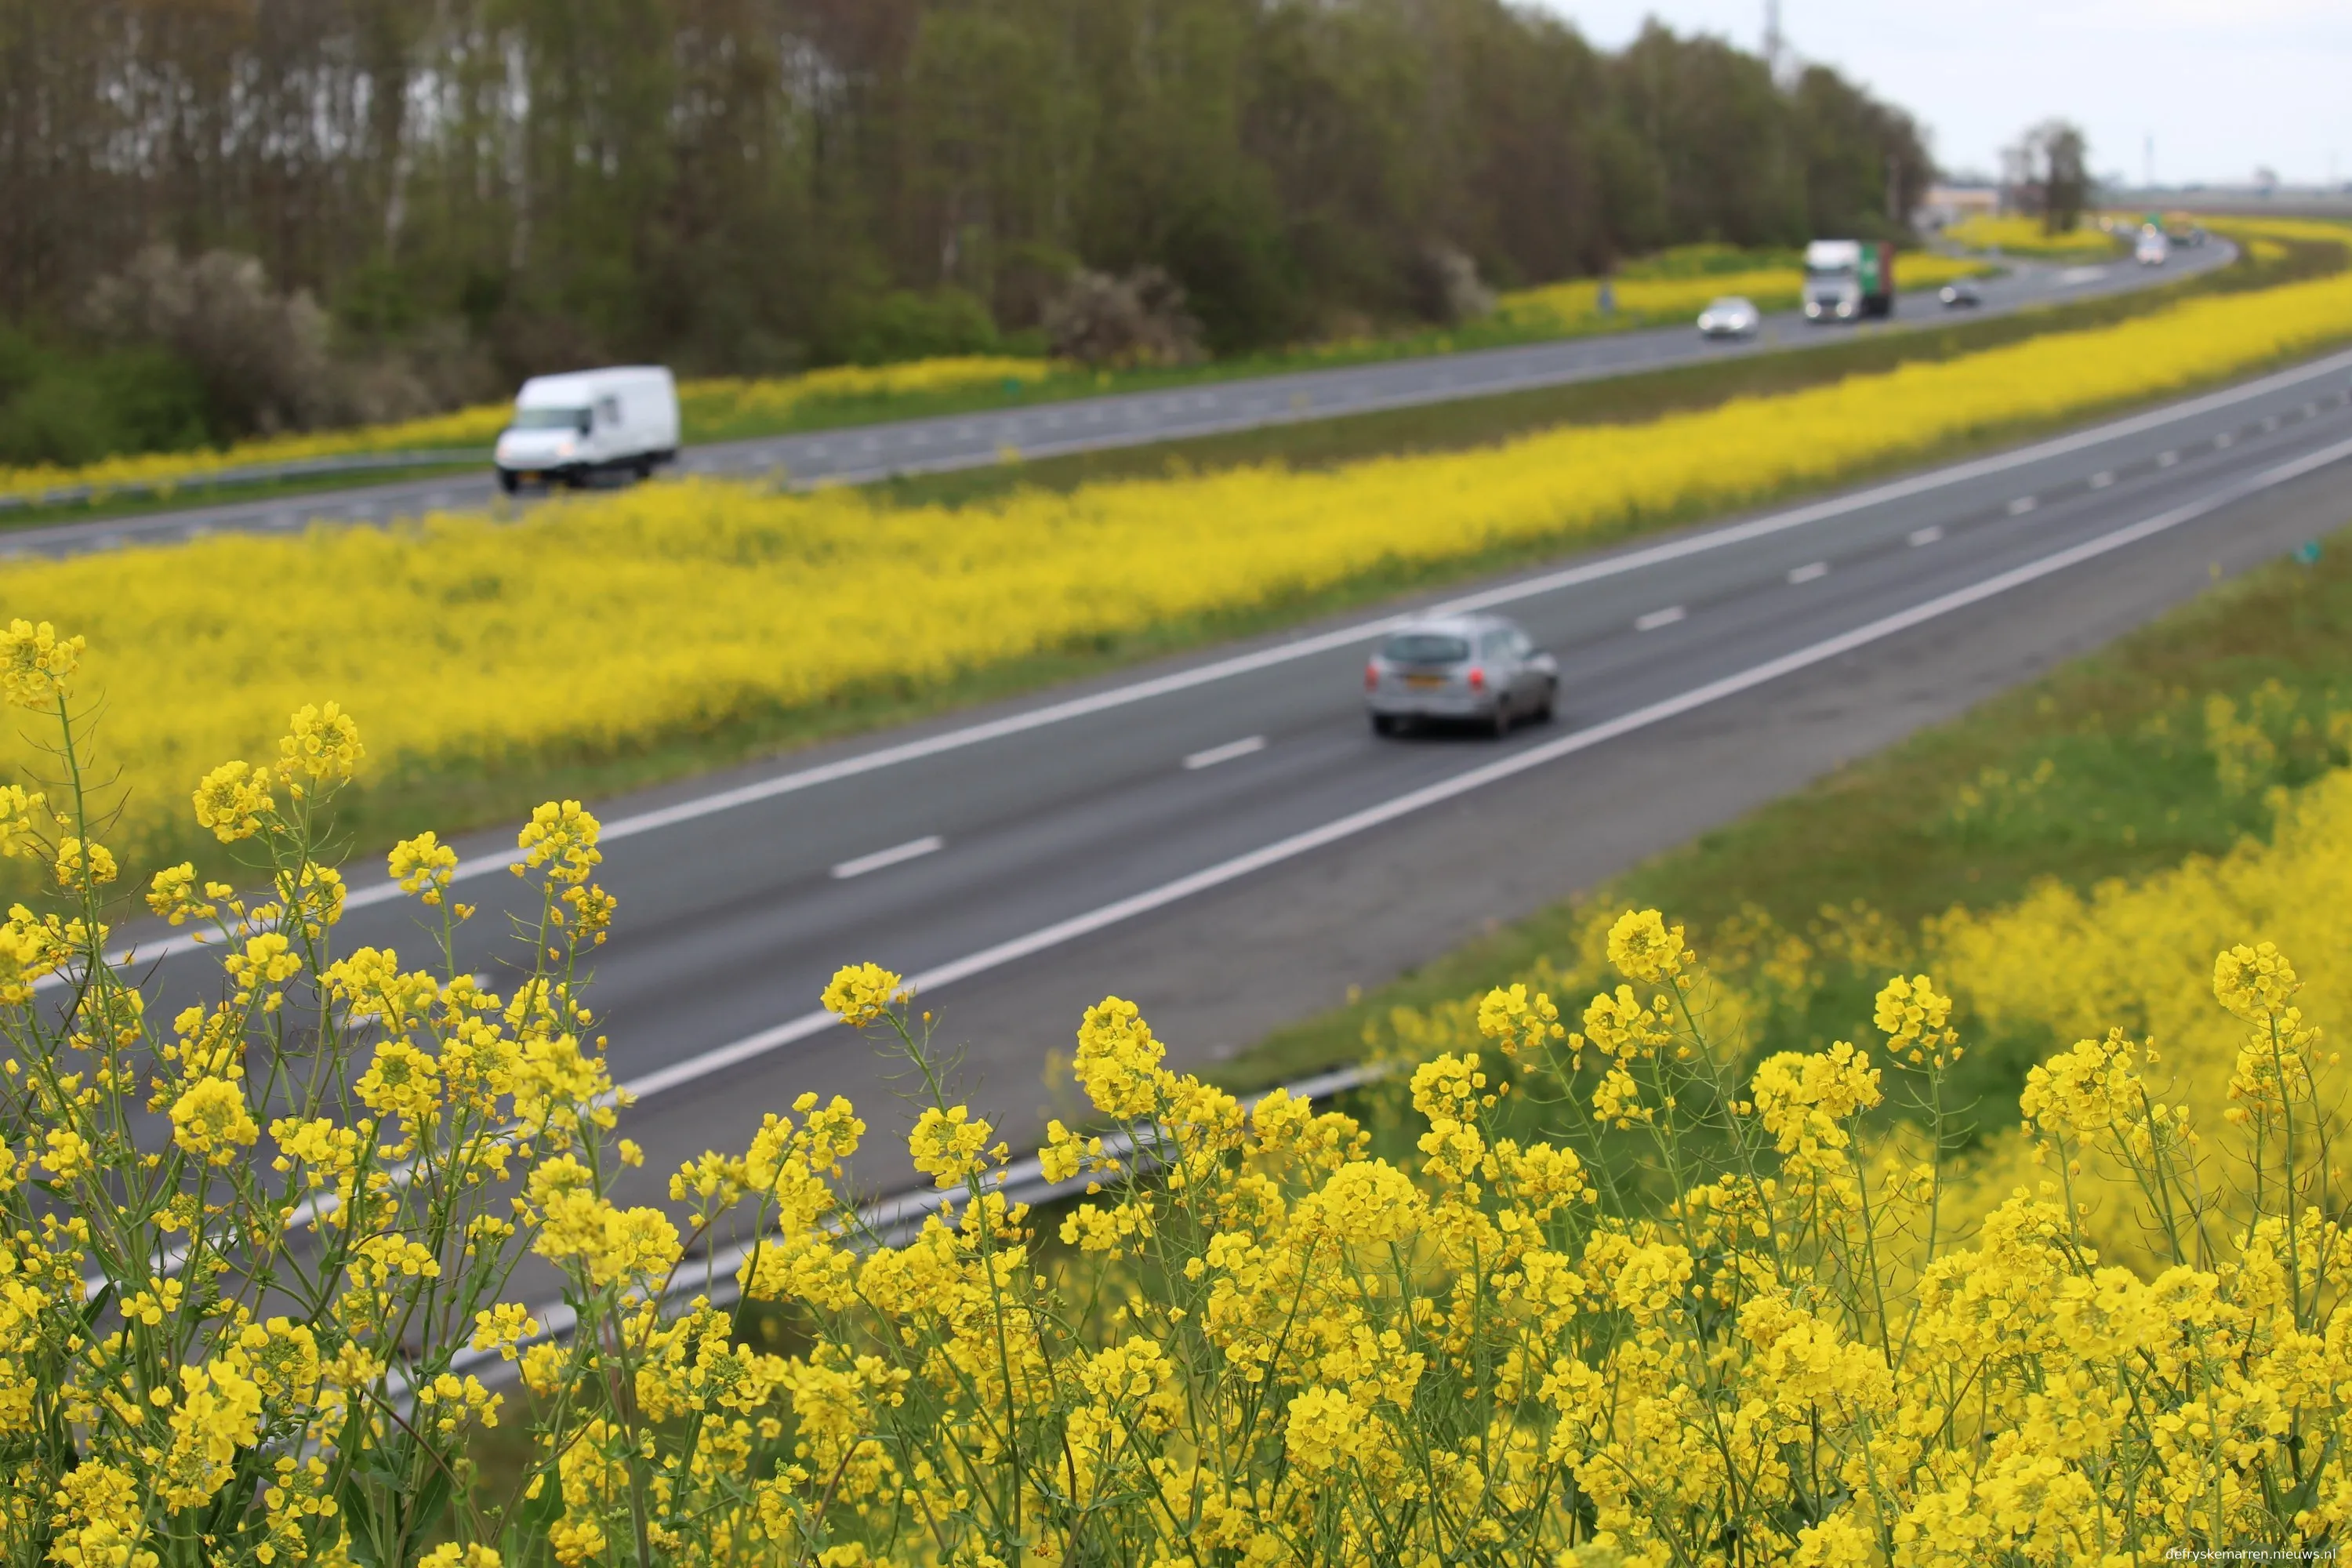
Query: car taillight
pixel 1371 675
pixel 1477 679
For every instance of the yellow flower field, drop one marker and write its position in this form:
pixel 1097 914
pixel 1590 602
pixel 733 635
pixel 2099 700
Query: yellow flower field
pixel 1771 289
pixel 1626 1298
pixel 716 403
pixel 600 624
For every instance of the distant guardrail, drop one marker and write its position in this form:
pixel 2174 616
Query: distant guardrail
pixel 249 474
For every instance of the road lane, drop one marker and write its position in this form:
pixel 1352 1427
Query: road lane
pixel 732 916
pixel 863 453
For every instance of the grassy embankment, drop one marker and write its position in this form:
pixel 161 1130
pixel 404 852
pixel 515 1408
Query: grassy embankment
pixel 460 643
pixel 2184 740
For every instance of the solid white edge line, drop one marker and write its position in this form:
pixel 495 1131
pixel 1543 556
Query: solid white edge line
pixel 897 855
pixel 1361 631
pixel 1333 832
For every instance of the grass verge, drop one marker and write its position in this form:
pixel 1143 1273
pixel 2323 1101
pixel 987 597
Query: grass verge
pixel 2177 740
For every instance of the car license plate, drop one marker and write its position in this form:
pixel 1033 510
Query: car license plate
pixel 1424 680
pixel 528 477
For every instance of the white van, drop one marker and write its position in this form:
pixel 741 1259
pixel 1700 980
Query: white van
pixel 568 427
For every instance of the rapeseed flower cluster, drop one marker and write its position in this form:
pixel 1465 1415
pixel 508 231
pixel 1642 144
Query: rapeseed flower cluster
pixel 460 638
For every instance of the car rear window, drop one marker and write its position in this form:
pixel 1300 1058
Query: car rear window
pixel 1425 648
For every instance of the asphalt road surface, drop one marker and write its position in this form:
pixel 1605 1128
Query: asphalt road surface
pixel 923 446
pixel 1223 839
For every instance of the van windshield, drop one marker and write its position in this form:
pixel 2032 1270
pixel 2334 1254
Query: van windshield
pixel 550 419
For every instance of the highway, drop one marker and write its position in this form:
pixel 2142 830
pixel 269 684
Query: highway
pixel 1223 839
pixel 866 453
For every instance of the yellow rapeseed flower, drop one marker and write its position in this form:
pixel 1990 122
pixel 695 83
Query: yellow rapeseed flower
pixel 321 744
pixel 210 1119
pixel 423 866
pixel 231 801
pixel 862 993
pixel 82 866
pixel 36 663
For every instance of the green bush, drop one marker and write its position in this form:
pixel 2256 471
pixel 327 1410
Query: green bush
pixel 66 405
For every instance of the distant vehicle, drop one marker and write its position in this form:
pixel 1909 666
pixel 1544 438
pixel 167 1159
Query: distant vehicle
pixel 1846 279
pixel 1960 294
pixel 1730 317
pixel 2153 249
pixel 568 429
pixel 1461 669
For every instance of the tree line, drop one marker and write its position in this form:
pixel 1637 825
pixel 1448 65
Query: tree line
pixel 488 187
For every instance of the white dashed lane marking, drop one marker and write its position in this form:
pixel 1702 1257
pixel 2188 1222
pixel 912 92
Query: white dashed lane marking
pixel 897 854
pixel 1225 754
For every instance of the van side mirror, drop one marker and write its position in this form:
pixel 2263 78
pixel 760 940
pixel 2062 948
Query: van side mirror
pixel 587 421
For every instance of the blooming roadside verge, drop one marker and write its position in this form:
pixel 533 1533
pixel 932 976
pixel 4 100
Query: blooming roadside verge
pixel 1626 1300
pixel 723 613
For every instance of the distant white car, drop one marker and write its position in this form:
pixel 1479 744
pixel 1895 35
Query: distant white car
pixel 1730 317
pixel 569 429
pixel 2154 250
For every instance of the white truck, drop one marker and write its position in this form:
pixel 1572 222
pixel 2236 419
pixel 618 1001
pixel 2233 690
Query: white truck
pixel 1846 279
pixel 569 429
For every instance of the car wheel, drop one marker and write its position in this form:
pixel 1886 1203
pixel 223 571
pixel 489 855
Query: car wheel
pixel 508 482
pixel 1550 704
pixel 1500 724
pixel 1384 725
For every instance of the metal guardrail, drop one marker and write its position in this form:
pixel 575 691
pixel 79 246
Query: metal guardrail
pixel 896 1220
pixel 249 474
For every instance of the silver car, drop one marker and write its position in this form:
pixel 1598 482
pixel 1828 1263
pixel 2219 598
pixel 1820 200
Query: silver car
pixel 1466 670
pixel 1730 317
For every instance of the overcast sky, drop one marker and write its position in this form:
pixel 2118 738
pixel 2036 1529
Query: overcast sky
pixel 2224 86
